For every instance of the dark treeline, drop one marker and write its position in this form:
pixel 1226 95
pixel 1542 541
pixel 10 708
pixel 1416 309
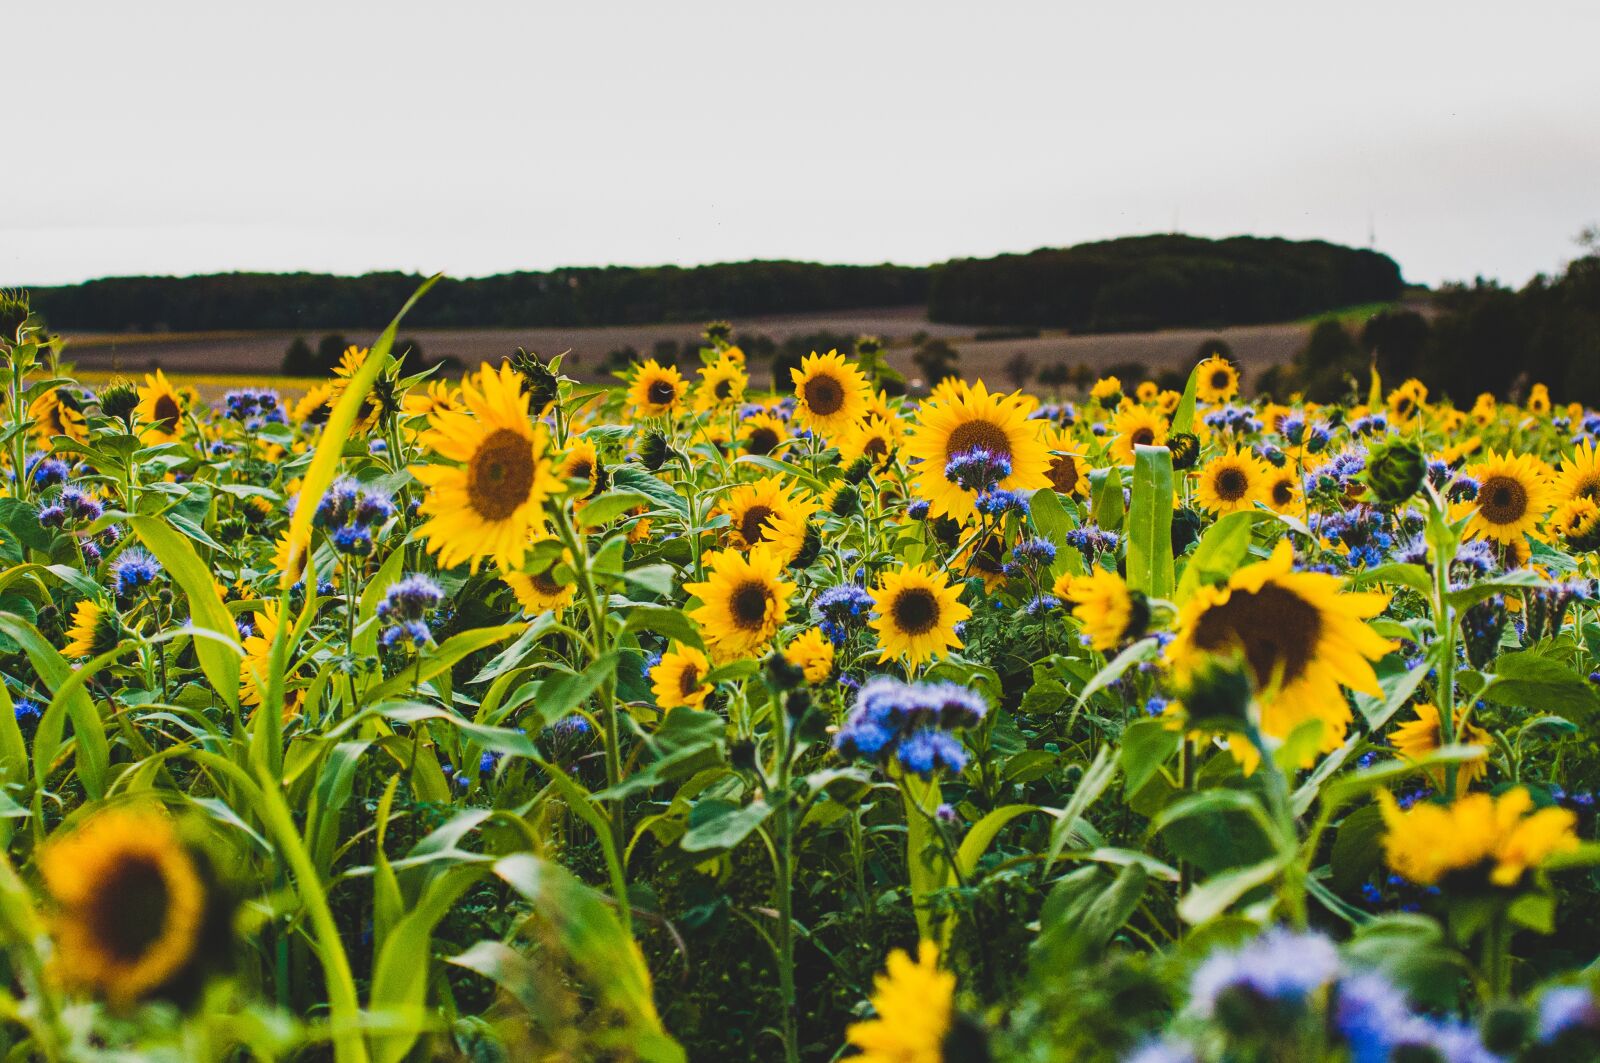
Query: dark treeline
pixel 1147 282
pixel 1134 283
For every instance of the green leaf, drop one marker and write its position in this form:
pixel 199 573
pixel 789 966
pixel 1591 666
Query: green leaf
pixel 1150 523
pixel 1183 415
pixel 663 620
pixel 441 660
pixel 565 691
pixel 1406 575
pixel 219 657
pixel 401 969
pixel 1146 745
pixel 94 753
pixel 716 823
pixel 1216 894
pixel 605 508
pixel 983 834
pixel 1221 550
pixel 1106 497
pixel 1528 679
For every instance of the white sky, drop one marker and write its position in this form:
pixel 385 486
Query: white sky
pixel 480 136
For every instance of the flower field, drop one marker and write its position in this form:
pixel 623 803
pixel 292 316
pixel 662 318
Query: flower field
pixel 516 719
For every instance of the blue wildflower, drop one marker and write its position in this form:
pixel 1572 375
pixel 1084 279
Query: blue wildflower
pixel 133 571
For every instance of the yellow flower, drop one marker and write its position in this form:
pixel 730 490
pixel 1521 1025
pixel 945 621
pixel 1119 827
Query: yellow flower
pixel 1106 390
pixel 489 504
pixel 743 599
pixel 1281 490
pixel 1417 738
pixel 656 390
pixel 679 678
pixel 1231 482
pixel 812 653
pixel 915 612
pixel 1478 833
pixel 350 364
pixel 767 511
pixel 581 462
pixel 1105 608
pixel 1069 471
pixel 1136 426
pixel 1217 380
pixel 54 416
pixel 314 405
pixel 1406 400
pixel 1579 476
pixel 93 631
pixel 160 408
pixel 1301 638
pixel 915 1007
pixel 539 591
pixel 830 394
pixel 439 396
pixel 254 669
pixel 1485 410
pixel 1513 495
pixel 722 384
pixel 871 437
pixel 975 419
pixel 131 903
pixel 1576 520
pixel 1539 400
pixel 1147 391
pixel 763 433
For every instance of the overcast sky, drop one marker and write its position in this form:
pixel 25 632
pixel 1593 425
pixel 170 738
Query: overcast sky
pixel 480 136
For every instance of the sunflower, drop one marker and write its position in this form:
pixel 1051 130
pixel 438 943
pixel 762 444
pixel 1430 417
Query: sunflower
pixel 1579 475
pixel 722 385
pixel 253 670
pixel 1231 482
pixel 1136 426
pixel 1477 834
pixel 438 397
pixel 56 416
pixel 582 462
pixel 1146 392
pixel 1301 638
pixel 767 511
pixel 743 599
pixel 1577 521
pixel 93 630
pixel 539 591
pixel 130 904
pixel 679 678
pixel 915 612
pixel 656 390
pixel 812 652
pixel 488 505
pixel 975 420
pixel 1513 495
pixel 1109 613
pixel 1539 400
pixel 314 406
pixel 1216 380
pixel 1485 410
pixel 1106 390
pixel 1281 490
pixel 830 394
pixel 350 364
pixel 1406 400
pixel 1417 738
pixel 1068 472
pixel 915 1011
pixel 160 408
pixel 872 437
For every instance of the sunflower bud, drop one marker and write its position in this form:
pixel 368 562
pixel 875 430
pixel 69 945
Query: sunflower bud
pixel 868 347
pixel 13 313
pixel 810 549
pixel 719 333
pixel 845 500
pixel 1185 530
pixel 857 470
pixel 1185 449
pixel 1395 471
pixel 119 401
pixel 1218 697
pixel 780 674
pixel 742 755
pixel 655 451
pixel 1506 1028
pixel 1482 625
pixel 542 384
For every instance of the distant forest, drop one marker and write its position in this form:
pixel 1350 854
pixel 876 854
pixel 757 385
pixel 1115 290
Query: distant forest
pixel 1117 285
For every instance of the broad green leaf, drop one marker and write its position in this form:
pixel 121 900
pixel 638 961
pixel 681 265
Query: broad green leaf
pixel 1183 415
pixel 715 823
pixel 218 659
pixel 1150 523
pixel 441 659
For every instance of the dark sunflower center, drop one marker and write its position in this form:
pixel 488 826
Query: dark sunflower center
pixel 985 434
pixel 688 680
pixel 761 441
pixel 1589 487
pixel 1064 473
pixel 1502 500
pixel 661 392
pixel 748 605
pixel 1277 629
pixel 753 525
pixel 500 475
pixel 1282 493
pixel 824 395
pixel 1232 484
pixel 581 470
pixel 723 389
pixel 916 611
pixel 1403 407
pixel 167 412
pixel 128 911
pixel 1219 379
pixel 1142 437
pixel 545 582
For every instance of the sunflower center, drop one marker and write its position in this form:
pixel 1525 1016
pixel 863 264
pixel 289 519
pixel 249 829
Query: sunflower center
pixel 1282 493
pixel 975 434
pixel 661 392
pixel 688 680
pixel 581 470
pixel 545 582
pixel 753 525
pixel 1064 474
pixel 824 396
pixel 748 605
pixel 1403 407
pixel 723 389
pixel 915 611
pixel 1589 487
pixel 1232 484
pixel 167 412
pixel 1277 629
pixel 1142 437
pixel 500 475
pixel 1219 379
pixel 761 441
pixel 129 910
pixel 876 447
pixel 1502 500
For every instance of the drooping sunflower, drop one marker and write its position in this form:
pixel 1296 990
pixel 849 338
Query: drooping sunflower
pixel 160 409
pixel 131 904
pixel 1513 496
pixel 812 652
pixel 1417 738
pixel 540 591
pixel 1110 614
pixel 767 511
pixel 582 462
pixel 1579 475
pixel 656 390
pixel 743 600
pixel 830 394
pixel 487 506
pixel 915 613
pixel 679 678
pixel 1069 469
pixel 762 434
pixel 914 1002
pixel 1136 426
pixel 872 437
pixel 1301 636
pixel 54 415
pixel 1281 490
pixel 976 419
pixel 1499 837
pixel 1230 482
pixel 93 630
pixel 722 384
pixel 1216 380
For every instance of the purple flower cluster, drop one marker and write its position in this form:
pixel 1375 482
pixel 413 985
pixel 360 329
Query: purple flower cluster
pixel 840 610
pixel 254 406
pixel 977 469
pixel 133 571
pixel 1234 418
pixel 1090 541
pixel 70 508
pixel 911 723
pixel 405 608
pixel 350 513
